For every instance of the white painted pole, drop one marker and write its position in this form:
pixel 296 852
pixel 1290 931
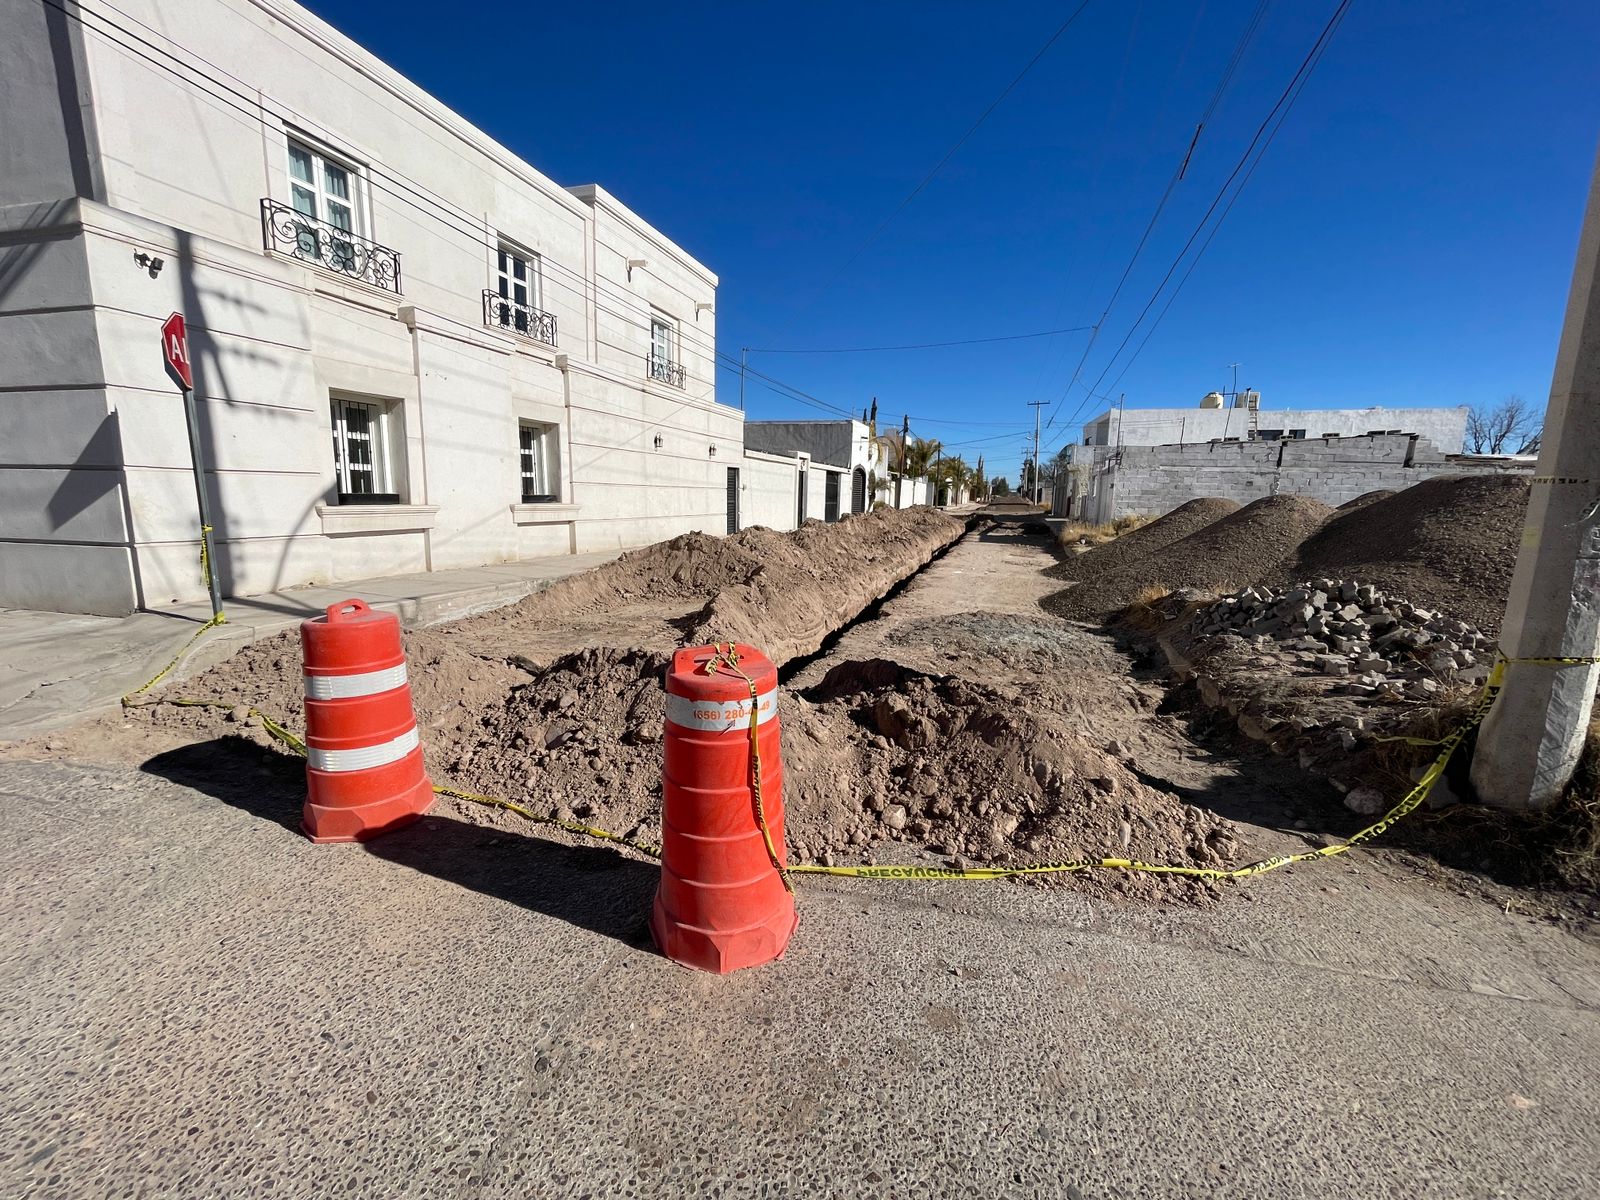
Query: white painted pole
pixel 1533 735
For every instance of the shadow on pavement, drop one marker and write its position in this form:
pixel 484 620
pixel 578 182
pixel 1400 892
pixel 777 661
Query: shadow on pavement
pixel 592 887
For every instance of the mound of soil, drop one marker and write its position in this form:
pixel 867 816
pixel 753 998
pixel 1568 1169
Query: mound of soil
pixel 1365 499
pixel 973 773
pixel 875 754
pixel 1243 547
pixel 781 591
pixel 1146 540
pixel 1448 543
pixel 581 741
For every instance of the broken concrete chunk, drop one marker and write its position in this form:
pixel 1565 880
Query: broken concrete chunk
pixel 1368 802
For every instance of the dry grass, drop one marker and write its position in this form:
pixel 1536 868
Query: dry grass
pixel 1578 818
pixel 1396 760
pixel 1079 533
pixel 1145 611
pixel 1558 848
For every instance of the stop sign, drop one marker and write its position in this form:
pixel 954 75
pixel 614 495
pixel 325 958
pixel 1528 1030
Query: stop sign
pixel 175 349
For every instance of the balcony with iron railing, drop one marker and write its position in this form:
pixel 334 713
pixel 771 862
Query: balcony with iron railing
pixel 501 312
pixel 663 370
pixel 288 231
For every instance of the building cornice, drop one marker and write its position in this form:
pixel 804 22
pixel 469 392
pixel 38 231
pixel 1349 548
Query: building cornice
pixel 593 193
pixel 362 61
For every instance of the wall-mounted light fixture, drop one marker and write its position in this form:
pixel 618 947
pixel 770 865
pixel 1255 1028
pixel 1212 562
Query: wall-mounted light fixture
pixel 703 306
pixel 660 441
pixel 635 262
pixel 713 449
pixel 149 262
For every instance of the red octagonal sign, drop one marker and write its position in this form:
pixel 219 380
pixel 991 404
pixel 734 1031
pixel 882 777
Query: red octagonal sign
pixel 175 349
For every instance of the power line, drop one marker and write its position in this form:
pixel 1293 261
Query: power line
pixel 1010 337
pixel 589 291
pixel 1217 93
pixel 1284 102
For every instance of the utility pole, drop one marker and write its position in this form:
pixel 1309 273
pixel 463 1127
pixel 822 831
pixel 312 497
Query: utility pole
pixel 1532 737
pixel 744 361
pixel 1035 405
pixel 905 444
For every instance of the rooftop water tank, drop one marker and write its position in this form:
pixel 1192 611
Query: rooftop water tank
pixel 1211 400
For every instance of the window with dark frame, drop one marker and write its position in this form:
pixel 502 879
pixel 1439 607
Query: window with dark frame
pixel 363 469
pixel 536 455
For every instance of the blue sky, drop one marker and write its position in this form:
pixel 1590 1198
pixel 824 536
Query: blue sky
pixel 1407 239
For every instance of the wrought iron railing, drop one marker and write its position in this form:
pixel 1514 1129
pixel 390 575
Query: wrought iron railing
pixel 286 230
pixel 663 371
pixel 499 312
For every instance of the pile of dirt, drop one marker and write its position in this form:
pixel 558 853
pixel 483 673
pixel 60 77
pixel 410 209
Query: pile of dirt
pixel 874 755
pixel 780 591
pixel 1448 543
pixel 975 774
pixel 1365 499
pixel 1243 547
pixel 1144 541
pixel 581 741
pixel 783 592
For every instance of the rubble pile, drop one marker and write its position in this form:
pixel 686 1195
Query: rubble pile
pixel 1389 649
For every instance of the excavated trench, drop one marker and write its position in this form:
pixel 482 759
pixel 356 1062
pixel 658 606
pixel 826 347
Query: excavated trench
pixel 791 667
pixel 883 762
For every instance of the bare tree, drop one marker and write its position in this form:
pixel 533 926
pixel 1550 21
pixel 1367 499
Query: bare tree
pixel 1511 427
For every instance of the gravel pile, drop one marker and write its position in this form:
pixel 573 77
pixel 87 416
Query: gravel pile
pixel 1388 648
pixel 1251 544
pixel 1144 541
pixel 1448 543
pixel 1365 499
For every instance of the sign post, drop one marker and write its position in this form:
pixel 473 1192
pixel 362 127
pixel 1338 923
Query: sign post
pixel 175 349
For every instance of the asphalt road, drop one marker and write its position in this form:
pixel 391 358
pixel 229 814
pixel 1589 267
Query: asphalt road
pixel 198 1002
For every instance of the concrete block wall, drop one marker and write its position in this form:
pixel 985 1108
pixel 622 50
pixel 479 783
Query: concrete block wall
pixel 1156 479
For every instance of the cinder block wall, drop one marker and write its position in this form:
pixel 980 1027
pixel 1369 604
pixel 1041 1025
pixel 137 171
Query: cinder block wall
pixel 1157 479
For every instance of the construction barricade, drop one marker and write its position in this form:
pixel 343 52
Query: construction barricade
pixel 724 901
pixel 364 773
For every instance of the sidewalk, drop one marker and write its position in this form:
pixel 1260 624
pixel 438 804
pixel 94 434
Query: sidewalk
pixel 57 668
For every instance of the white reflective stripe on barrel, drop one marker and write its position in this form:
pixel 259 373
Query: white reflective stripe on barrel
pixel 363 757
pixel 719 716
pixel 342 687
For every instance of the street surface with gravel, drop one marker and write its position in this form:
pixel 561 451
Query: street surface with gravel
pixel 202 1003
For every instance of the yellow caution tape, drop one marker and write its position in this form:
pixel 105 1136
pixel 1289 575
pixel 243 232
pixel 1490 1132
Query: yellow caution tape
pixel 1408 803
pixel 176 658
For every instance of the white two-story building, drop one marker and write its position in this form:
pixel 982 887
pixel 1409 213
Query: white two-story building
pixel 411 350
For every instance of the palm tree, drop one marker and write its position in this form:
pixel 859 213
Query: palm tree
pixel 920 455
pixel 955 475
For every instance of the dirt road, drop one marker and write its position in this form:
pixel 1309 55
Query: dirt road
pixel 200 1001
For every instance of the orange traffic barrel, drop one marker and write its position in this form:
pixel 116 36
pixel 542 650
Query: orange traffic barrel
pixel 364 773
pixel 724 901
